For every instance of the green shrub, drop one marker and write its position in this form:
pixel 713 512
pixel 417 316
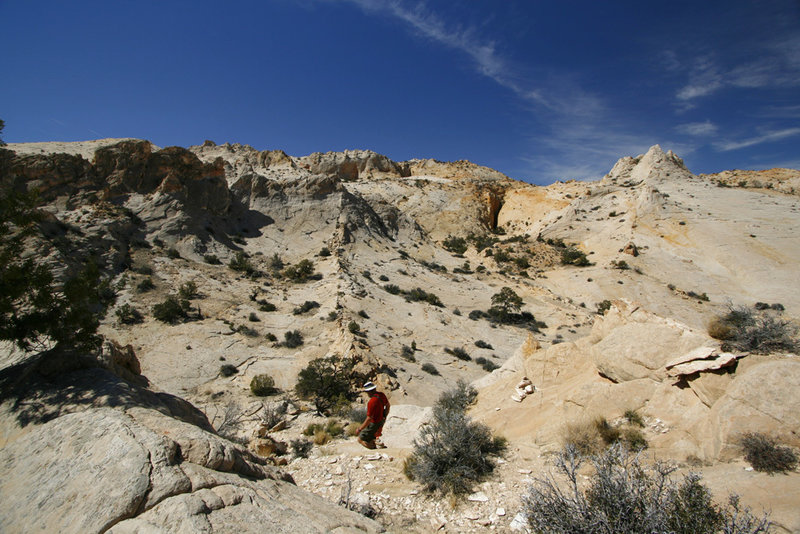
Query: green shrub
pixel 188 291
pixel 633 417
pixel 418 294
pixel 212 259
pixel 127 314
pixel 362 313
pixel 227 370
pixel 292 339
pixel 253 318
pixel 407 353
pixel 171 310
pixel 764 454
pixel 486 364
pixel 326 381
pixel 300 447
pixel 573 256
pixel 457 245
pixel 325 252
pixel 145 285
pixel 173 254
pixel 392 288
pixel 266 306
pixel 262 385
pixel 603 307
pixel 481 344
pixel 383 278
pixel 452 452
pixel 301 272
pixel 459 353
pixel 430 368
pixel 276 263
pixel 353 327
pixel 241 263
pixel 305 307
pixel 366 274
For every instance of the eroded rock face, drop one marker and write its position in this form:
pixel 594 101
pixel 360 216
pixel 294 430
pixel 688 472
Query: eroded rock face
pixel 90 452
pixel 763 399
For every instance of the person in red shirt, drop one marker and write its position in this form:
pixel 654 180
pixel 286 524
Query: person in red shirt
pixel 377 411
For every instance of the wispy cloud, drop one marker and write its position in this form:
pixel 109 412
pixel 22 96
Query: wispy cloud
pixel 697 128
pixel 483 53
pixel 775 63
pixel 726 146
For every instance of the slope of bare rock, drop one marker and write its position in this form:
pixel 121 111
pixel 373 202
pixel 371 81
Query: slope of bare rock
pixel 89 452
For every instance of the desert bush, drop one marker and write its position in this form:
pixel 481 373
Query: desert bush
pixel 603 307
pixel 305 307
pixel 392 288
pixel 292 339
pixel 407 353
pixel 253 318
pixel 453 452
pixel 481 344
pixel 145 285
pixel 353 327
pixel 633 417
pixel 366 274
pixel 212 259
pixel 459 353
pixel 476 314
pixel 622 265
pixel 276 262
pixel 326 381
pixel 321 437
pixel 362 313
pixel 241 263
pixel 171 310
pixel 265 306
pixel 300 447
pixel 300 272
pixel 383 278
pixel 127 314
pixel 188 290
pixel 263 385
pixel 573 256
pixel 460 397
pixel 488 365
pixel 269 336
pixel 173 253
pixel 764 454
pixel 430 368
pixel 324 252
pixel 457 245
pixel 228 370
pixel 759 331
pixel 623 495
pixel 418 294
pixel 143 269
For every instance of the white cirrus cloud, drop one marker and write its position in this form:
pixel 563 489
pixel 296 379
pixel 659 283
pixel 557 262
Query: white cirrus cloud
pixel 727 146
pixel 697 128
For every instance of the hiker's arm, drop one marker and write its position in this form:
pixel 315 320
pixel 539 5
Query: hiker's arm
pixel 366 422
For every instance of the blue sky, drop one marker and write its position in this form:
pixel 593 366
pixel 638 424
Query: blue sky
pixel 540 90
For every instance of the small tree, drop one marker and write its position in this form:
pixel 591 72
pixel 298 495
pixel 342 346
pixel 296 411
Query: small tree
pixel 300 272
pixel 505 303
pixel 36 312
pixel 325 381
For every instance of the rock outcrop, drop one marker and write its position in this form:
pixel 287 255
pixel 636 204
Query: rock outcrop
pixel 90 452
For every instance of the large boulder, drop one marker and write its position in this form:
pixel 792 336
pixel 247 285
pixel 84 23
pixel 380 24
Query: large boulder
pixel 89 452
